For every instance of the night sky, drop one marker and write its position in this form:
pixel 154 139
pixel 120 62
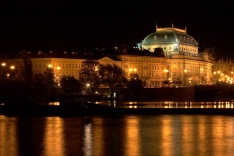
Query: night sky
pixel 63 25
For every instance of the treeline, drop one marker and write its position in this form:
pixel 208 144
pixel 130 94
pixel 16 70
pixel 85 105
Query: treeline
pixel 22 83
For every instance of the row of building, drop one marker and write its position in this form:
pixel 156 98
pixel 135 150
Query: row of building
pixel 167 55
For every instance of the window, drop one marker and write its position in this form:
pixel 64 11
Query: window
pixel 165 37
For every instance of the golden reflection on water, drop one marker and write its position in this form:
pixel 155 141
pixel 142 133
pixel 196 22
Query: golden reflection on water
pixel 223 131
pixel 53 139
pixel 132 136
pixel 98 139
pixel 185 135
pixel 87 140
pixel 166 133
pixel 8 135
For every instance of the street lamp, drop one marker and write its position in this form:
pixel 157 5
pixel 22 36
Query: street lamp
pixel 96 68
pixel 11 67
pixel 185 76
pixel 166 71
pixel 50 66
pixel 190 81
pixel 214 76
pixel 201 75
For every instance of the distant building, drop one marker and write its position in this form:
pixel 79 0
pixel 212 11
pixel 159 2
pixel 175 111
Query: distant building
pixel 184 63
pixel 168 55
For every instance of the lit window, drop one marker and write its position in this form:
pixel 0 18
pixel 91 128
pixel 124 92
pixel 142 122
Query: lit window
pixel 165 36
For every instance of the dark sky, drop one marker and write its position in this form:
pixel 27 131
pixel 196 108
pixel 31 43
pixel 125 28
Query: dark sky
pixel 63 24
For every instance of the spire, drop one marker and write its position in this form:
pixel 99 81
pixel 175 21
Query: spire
pixel 172 25
pixel 185 29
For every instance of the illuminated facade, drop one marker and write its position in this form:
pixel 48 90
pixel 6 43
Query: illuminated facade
pixel 184 63
pixel 179 64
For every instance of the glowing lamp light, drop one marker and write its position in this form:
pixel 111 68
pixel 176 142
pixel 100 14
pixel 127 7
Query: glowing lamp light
pixel 12 67
pixel 50 65
pixel 58 68
pixel 3 64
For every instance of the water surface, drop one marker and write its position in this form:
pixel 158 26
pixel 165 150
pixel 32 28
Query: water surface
pixel 126 135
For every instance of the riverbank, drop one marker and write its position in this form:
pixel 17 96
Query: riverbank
pixel 82 111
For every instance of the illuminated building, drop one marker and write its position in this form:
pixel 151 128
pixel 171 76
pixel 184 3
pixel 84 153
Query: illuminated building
pixel 178 63
pixel 184 63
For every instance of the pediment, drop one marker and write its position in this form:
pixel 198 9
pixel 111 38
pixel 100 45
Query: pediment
pixel 105 59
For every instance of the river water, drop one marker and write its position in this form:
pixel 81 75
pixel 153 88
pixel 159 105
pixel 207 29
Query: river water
pixel 125 135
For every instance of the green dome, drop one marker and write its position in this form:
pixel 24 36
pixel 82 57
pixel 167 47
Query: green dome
pixel 169 36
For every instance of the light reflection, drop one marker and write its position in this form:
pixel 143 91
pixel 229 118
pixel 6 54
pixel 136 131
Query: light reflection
pixel 166 132
pixel 8 136
pixel 170 104
pixel 53 140
pixel 218 131
pixel 98 133
pixel 187 136
pixel 54 103
pixel 132 136
pixel 201 130
pixel 87 140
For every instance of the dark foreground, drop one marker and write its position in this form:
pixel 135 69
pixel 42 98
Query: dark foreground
pixel 93 109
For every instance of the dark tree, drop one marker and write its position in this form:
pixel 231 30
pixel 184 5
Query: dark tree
pixel 70 84
pixel 26 73
pixel 112 76
pixel 38 86
pixel 89 75
pixel 49 81
pixel 135 86
pixel 26 68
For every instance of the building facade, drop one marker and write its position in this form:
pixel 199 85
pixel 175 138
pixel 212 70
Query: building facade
pixel 179 64
pixel 184 63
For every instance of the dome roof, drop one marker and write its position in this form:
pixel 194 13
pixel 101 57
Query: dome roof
pixel 169 36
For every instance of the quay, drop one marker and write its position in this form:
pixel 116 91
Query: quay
pixel 71 109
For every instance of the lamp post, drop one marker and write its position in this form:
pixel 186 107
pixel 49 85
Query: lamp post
pixel 56 73
pixel 166 72
pixel 231 77
pixel 185 75
pixel 214 73
pixel 201 75
pixel 87 87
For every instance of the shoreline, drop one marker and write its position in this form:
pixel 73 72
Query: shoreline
pixel 63 111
